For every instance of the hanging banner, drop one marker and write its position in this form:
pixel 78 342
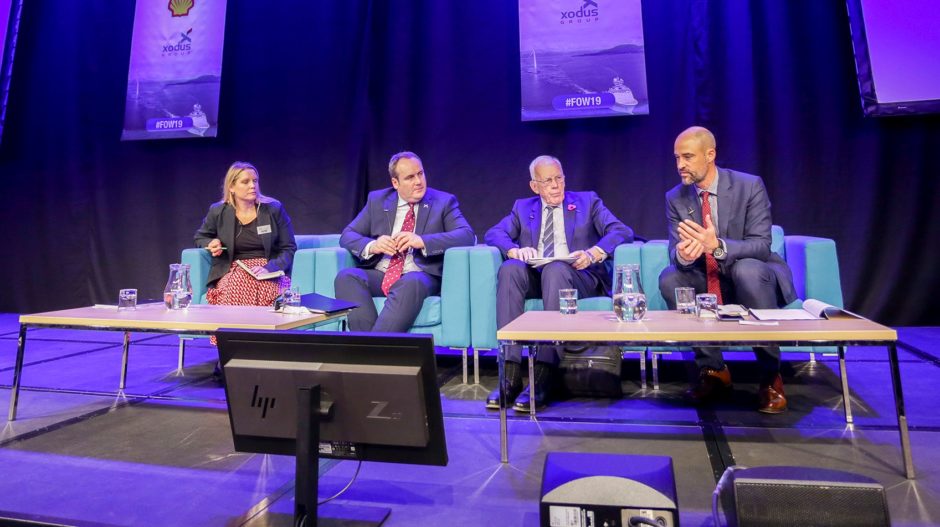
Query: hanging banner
pixel 581 58
pixel 176 69
pixel 9 28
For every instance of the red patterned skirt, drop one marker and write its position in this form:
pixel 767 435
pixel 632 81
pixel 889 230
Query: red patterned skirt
pixel 238 288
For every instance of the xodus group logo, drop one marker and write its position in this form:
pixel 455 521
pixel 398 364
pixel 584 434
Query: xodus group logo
pixel 588 12
pixel 180 7
pixel 179 44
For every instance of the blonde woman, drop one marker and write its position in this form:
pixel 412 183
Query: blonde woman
pixel 250 227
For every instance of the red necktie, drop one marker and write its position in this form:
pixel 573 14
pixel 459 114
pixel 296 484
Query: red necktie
pixel 711 265
pixel 397 265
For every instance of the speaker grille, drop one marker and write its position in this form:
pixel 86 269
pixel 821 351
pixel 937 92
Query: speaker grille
pixel 821 505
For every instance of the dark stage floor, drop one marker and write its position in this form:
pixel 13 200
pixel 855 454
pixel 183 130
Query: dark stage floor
pixel 161 453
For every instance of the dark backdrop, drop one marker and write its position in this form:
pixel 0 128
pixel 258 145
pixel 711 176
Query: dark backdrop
pixel 319 94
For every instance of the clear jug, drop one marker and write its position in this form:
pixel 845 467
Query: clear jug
pixel 178 292
pixel 628 297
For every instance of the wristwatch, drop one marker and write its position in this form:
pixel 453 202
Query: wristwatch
pixel 719 251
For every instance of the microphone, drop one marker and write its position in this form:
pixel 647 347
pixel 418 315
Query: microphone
pixel 691 211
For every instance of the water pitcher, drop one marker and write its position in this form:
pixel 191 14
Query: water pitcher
pixel 629 299
pixel 178 292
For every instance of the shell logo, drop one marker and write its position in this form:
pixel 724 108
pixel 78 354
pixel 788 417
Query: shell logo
pixel 180 7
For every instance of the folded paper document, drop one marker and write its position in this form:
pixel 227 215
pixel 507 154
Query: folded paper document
pixel 539 262
pixel 811 310
pixel 259 276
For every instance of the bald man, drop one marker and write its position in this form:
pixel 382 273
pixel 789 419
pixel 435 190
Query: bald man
pixel 719 242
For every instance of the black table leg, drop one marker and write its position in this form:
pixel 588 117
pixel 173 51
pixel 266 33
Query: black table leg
pixel 17 373
pixel 503 431
pixel 899 409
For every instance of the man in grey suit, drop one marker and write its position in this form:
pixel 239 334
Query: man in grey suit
pixel 558 224
pixel 398 240
pixel 719 242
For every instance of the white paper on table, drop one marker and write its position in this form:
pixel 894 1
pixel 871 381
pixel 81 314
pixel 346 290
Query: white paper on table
pixel 782 314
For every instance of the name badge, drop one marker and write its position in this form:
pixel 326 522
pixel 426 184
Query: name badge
pixel 264 229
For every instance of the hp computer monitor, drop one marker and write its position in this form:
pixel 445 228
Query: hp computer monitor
pixel 379 399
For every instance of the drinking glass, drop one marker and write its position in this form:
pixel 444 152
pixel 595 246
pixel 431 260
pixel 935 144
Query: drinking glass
pixel 292 296
pixel 685 300
pixel 568 300
pixel 127 299
pixel 706 303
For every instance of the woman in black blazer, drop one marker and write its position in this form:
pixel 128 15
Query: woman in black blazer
pixel 248 227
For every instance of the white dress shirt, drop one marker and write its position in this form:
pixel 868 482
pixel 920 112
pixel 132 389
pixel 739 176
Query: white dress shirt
pixel 400 214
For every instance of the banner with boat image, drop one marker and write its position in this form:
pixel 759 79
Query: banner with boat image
pixel 175 71
pixel 581 58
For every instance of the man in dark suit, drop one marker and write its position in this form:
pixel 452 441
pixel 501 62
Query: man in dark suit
pixel 719 242
pixel 398 240
pixel 558 224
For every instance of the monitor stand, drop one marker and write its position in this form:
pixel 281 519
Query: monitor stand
pixel 307 474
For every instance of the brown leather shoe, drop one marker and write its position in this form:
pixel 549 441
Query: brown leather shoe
pixel 772 398
pixel 711 383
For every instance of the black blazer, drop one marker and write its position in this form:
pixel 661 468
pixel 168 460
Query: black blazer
pixel 220 222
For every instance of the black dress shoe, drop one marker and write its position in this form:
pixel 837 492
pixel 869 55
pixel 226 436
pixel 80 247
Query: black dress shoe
pixel 543 377
pixel 512 386
pixel 512 392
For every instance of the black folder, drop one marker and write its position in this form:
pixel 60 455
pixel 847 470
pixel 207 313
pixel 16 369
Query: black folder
pixel 323 304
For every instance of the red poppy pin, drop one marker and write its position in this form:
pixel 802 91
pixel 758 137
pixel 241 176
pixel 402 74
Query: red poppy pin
pixel 571 206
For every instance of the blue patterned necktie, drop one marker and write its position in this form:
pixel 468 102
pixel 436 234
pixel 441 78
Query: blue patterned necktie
pixel 548 233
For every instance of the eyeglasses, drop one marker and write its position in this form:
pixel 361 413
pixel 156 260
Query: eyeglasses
pixel 558 180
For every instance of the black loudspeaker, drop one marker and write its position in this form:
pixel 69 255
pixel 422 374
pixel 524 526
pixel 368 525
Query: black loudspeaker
pixel 594 490
pixel 787 496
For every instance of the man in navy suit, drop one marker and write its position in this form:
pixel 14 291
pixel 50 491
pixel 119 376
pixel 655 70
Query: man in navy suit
pixel 398 240
pixel 558 224
pixel 725 252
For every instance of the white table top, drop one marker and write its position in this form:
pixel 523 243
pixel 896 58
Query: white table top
pixel 197 317
pixel 671 327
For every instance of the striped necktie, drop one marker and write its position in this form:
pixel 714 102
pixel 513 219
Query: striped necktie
pixel 548 233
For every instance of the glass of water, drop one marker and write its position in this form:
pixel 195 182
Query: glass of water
pixel 685 300
pixel 633 307
pixel 127 299
pixel 568 300
pixel 292 296
pixel 706 305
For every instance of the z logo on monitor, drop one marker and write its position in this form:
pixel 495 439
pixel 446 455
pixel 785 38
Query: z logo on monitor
pixel 377 409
